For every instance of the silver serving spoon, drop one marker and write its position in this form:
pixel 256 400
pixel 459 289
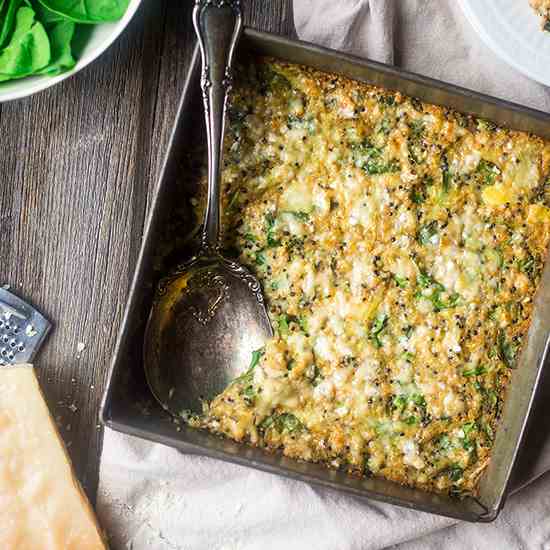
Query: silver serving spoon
pixel 209 315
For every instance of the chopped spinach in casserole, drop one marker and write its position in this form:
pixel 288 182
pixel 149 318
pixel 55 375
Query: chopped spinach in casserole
pixel 399 245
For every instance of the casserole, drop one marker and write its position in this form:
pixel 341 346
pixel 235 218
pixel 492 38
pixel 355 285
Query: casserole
pixel 126 385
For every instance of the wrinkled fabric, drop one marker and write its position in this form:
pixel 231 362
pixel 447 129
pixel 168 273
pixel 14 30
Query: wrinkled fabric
pixel 153 497
pixel 431 37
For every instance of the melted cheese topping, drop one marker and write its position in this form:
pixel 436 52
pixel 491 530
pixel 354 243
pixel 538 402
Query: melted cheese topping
pixel 399 245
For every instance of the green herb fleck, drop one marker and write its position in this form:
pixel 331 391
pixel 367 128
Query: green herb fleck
pixel 446 176
pixel 313 374
pixel 487 125
pixel 370 159
pixel 417 195
pixel 282 423
pixel 455 473
pixel 427 233
pixel 246 377
pixel 467 443
pixel 249 394
pixel 507 351
pixel 272 80
pixel 401 282
pixel 528 266
pixel 476 371
pixel 417 104
pixel 376 329
pixel 488 431
pixel 418 399
pixel 233 200
pixel 282 324
pixel 302 216
pixel 443 442
pixel 272 241
pixel 487 172
pixel 399 402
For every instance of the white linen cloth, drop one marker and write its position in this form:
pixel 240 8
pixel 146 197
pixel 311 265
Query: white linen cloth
pixel 152 497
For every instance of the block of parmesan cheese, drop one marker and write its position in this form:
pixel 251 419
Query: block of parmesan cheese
pixel 42 506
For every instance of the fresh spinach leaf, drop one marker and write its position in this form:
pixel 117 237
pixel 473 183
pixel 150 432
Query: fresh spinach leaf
pixel 88 11
pixel 8 19
pixel 60 35
pixel 28 50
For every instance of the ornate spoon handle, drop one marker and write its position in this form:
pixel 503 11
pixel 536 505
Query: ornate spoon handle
pixel 218 24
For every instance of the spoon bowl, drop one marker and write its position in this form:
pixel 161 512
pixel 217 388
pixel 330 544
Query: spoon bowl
pixel 208 318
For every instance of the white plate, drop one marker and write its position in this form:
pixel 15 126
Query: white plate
pixel 102 36
pixel 512 29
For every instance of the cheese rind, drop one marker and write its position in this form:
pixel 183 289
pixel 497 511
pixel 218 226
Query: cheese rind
pixel 42 506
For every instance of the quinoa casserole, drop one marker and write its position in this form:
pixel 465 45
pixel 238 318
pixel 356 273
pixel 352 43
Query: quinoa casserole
pixel 399 245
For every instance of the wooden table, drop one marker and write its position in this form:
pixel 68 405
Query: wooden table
pixel 77 167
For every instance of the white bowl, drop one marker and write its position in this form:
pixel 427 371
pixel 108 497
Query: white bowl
pixel 101 37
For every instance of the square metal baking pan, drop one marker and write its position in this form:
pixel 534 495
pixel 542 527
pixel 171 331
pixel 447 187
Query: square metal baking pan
pixel 128 405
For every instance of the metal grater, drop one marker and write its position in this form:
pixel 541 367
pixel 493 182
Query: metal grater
pixel 22 330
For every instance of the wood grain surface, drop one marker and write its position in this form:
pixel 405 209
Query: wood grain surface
pixel 77 166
